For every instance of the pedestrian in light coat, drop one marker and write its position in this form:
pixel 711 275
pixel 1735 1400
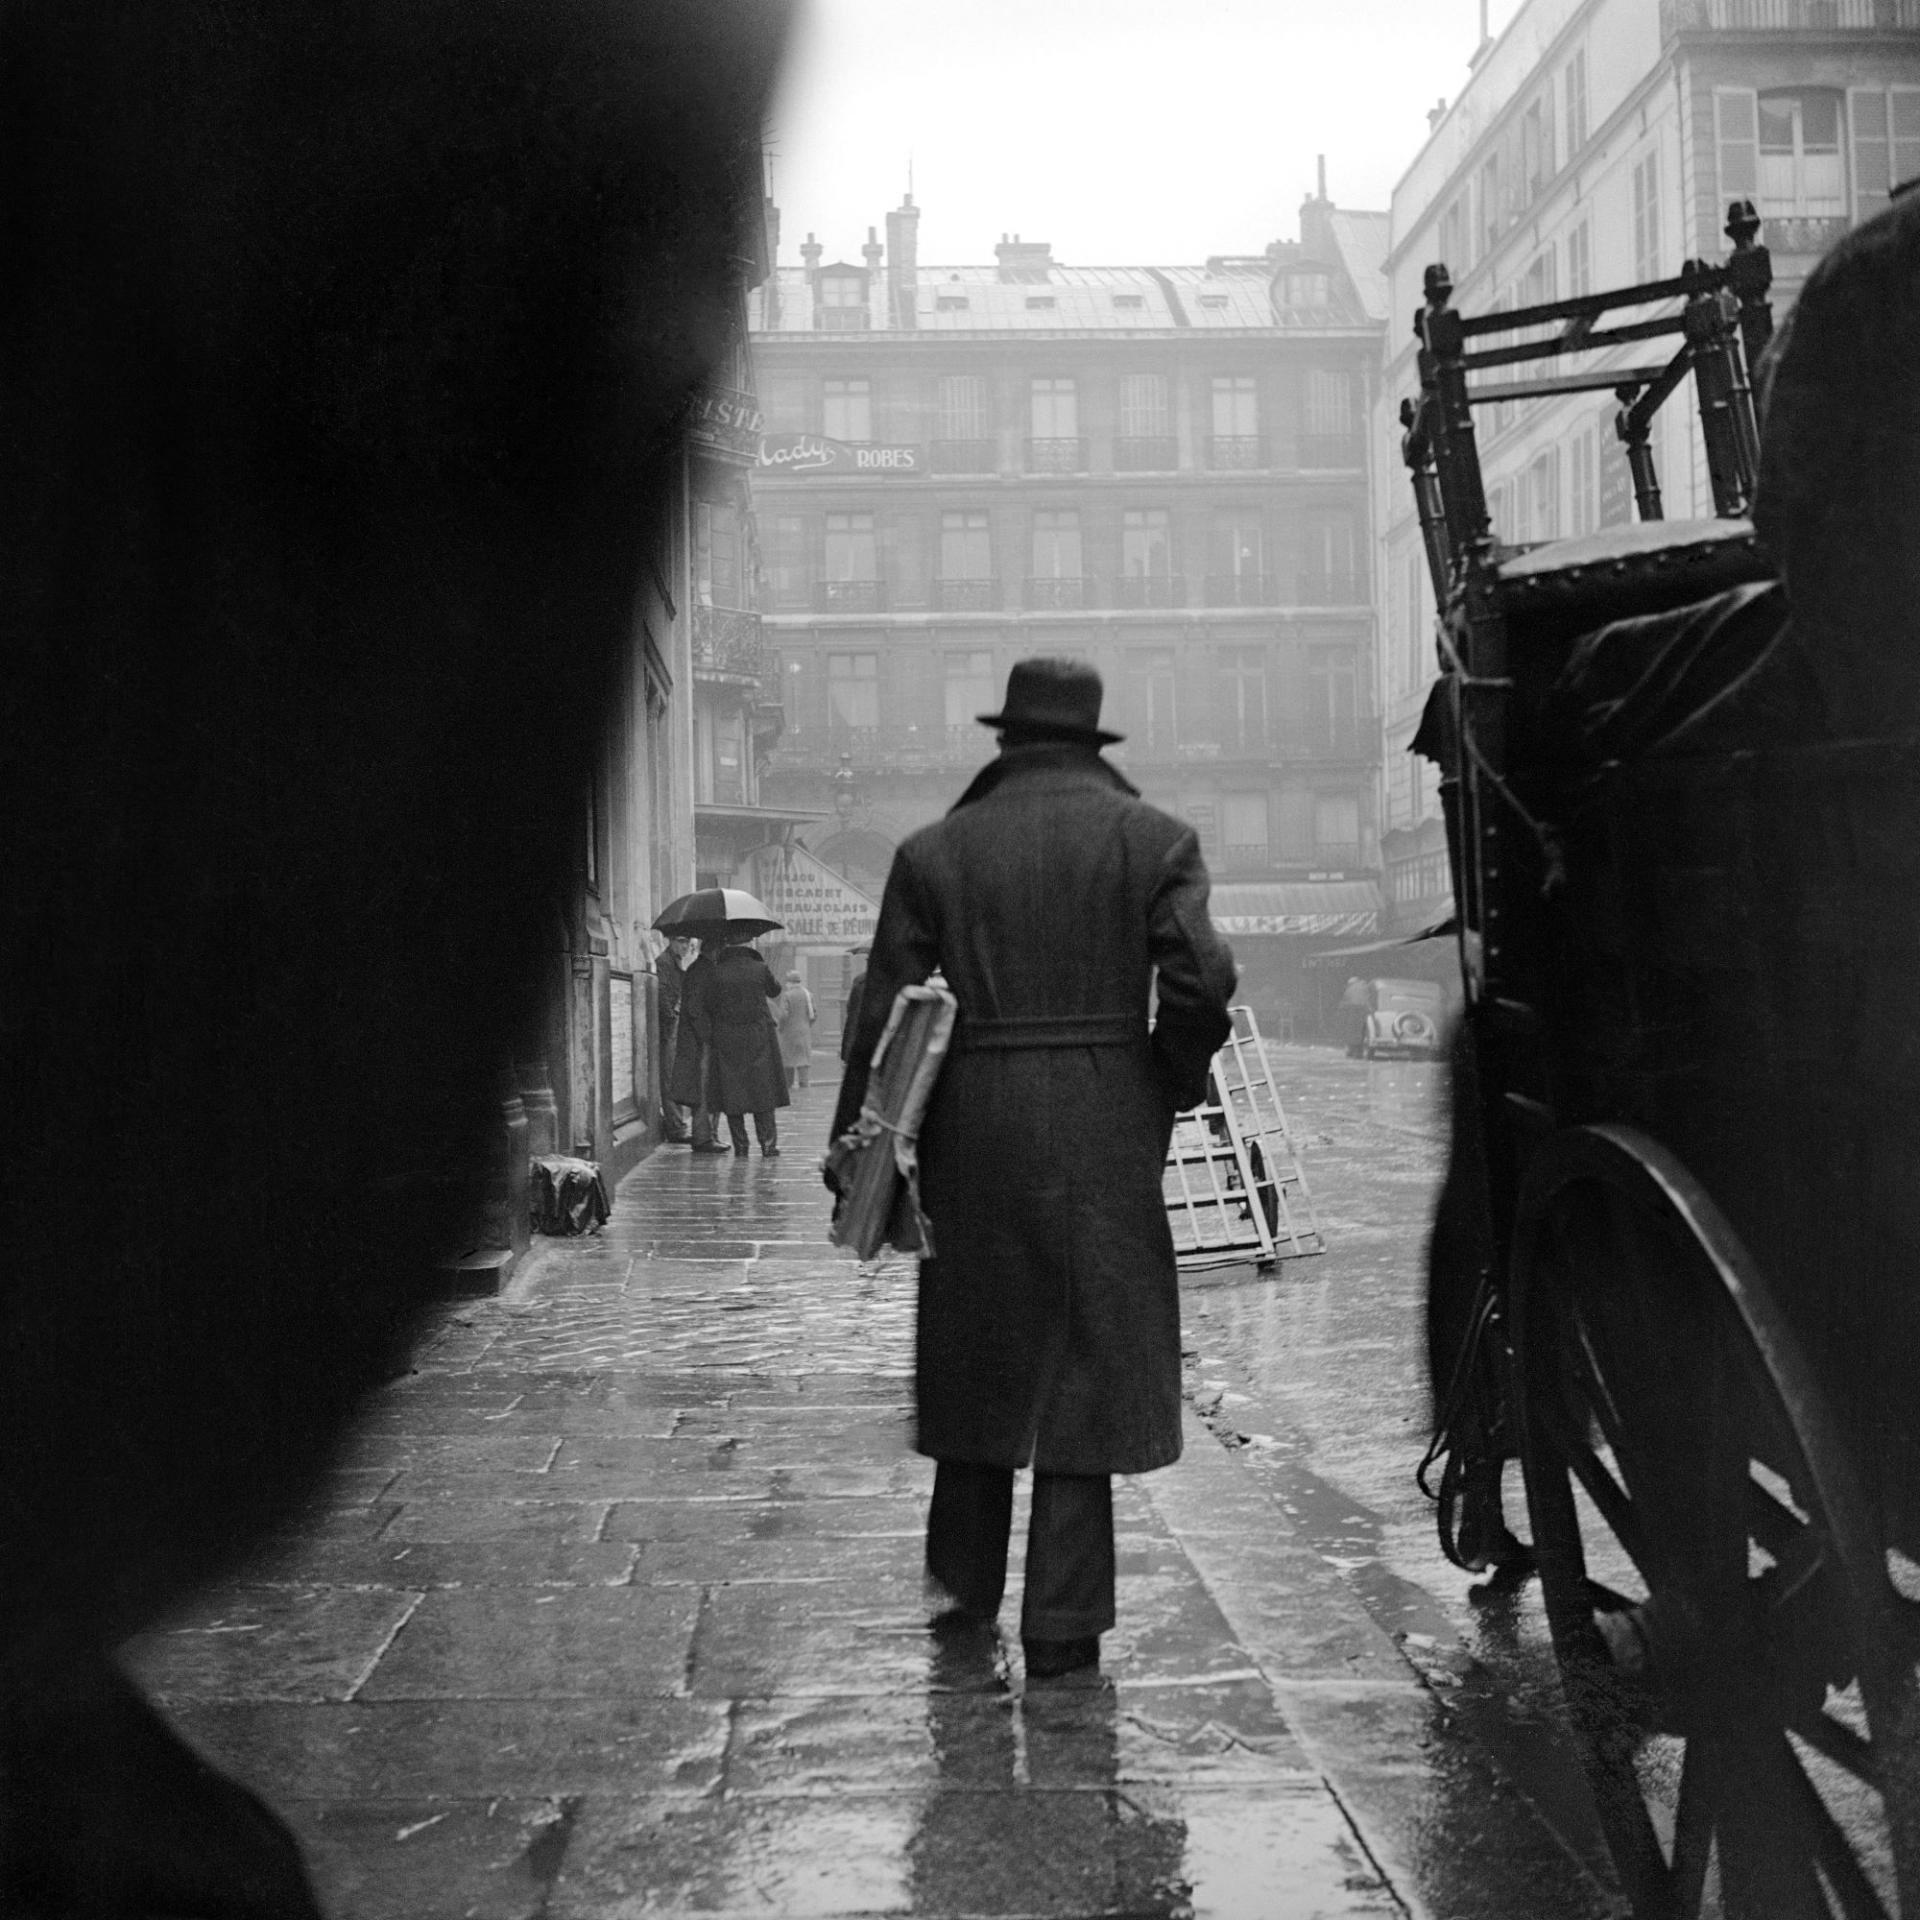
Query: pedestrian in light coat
pixel 794 1016
pixel 1056 903
pixel 736 1063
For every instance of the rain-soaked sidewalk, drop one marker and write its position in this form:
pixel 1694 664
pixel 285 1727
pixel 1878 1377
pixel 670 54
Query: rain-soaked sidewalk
pixel 614 1608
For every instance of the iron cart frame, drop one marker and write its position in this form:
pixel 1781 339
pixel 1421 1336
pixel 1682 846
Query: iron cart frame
pixel 1717 1518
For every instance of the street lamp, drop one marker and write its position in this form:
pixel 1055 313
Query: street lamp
pixel 845 798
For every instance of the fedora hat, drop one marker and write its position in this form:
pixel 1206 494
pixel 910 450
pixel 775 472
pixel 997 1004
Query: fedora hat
pixel 1053 695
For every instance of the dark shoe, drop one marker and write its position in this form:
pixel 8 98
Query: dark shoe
pixel 769 1153
pixel 710 1146
pixel 1055 1659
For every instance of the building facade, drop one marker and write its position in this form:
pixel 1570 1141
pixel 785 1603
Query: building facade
pixel 1597 144
pixel 672 796
pixel 1160 469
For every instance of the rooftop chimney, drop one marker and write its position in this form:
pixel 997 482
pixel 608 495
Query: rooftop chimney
pixel 1316 225
pixel 1436 113
pixel 903 262
pixel 1486 38
pixel 810 251
pixel 1024 260
pixel 873 252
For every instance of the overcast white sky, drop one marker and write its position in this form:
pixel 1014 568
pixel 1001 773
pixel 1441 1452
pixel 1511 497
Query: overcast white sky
pixel 1120 130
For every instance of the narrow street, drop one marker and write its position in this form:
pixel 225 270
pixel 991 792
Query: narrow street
pixel 613 1607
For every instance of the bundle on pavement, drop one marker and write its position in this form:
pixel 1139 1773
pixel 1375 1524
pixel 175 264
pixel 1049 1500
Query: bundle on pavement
pixel 569 1195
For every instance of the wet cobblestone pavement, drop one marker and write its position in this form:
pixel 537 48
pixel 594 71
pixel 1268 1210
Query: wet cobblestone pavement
pixel 613 1609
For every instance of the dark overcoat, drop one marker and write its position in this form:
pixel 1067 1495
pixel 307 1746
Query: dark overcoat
pixel 1057 904
pixel 725 1020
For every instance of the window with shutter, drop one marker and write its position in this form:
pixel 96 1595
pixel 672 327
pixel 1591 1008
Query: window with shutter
pixel 1545 474
pixel 961 407
pixel 1580 259
pixel 1799 143
pixel 1885 127
pixel 1576 78
pixel 1143 406
pixel 1243 819
pixel 1737 142
pixel 1646 218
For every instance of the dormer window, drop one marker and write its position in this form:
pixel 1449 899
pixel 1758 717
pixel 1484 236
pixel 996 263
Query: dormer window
pixel 1036 300
pixel 950 303
pixel 1215 300
pixel 1306 290
pixel 843 300
pixel 1129 300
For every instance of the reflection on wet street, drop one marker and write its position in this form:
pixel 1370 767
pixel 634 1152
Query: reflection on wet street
pixel 1315 1377
pixel 614 1606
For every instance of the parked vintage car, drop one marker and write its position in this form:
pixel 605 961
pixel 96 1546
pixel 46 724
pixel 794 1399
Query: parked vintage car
pixel 1406 1020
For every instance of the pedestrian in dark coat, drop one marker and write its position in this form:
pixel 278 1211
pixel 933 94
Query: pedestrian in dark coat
pixel 1057 904
pixel 671 970
pixel 725 1004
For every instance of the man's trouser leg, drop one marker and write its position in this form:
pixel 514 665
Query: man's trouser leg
pixel 1069 1585
pixel 767 1126
pixel 673 1116
pixel 737 1127
pixel 967 1533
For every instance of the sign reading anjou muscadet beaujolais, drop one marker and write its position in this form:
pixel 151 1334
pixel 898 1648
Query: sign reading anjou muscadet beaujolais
pixel 806 454
pixel 812 900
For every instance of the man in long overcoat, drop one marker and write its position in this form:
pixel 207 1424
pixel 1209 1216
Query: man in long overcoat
pixel 1058 905
pixel 671 969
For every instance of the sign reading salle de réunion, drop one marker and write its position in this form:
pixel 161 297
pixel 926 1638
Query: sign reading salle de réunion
pixel 811 900
pixel 812 453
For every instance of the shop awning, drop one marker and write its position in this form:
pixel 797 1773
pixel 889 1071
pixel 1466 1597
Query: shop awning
pixel 747 826
pixel 1442 929
pixel 1340 908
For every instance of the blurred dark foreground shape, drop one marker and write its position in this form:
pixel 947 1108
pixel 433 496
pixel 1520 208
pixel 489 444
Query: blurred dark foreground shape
pixel 345 347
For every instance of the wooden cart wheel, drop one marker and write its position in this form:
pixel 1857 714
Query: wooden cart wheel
pixel 1736 1662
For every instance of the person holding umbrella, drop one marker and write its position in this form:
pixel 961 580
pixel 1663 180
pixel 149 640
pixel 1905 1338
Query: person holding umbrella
pixel 1057 904
pixel 733 1066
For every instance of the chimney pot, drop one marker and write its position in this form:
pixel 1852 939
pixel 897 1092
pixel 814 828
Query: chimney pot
pixel 903 263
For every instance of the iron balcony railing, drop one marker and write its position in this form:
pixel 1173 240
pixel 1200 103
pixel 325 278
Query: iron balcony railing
pixel 1236 452
pixel 879 746
pixel 1056 456
pixel 1149 590
pixel 1807 232
pixel 967 596
pixel 1146 453
pixel 1786 16
pixel 727 641
pixel 1322 450
pixel 1245 742
pixel 849 596
pixel 1331 739
pixel 1240 590
pixel 962 456
pixel 1056 595
pixel 1331 587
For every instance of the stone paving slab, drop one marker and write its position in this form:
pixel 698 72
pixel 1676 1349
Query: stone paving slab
pixel 613 1608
